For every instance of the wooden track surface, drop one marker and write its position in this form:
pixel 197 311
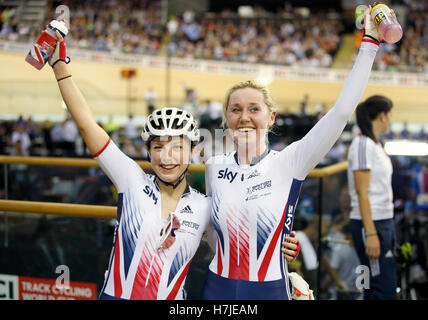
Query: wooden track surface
pixel 24 90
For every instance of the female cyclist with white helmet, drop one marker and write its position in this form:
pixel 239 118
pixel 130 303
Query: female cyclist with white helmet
pixel 255 190
pixel 160 218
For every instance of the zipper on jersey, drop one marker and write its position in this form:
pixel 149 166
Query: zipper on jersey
pixel 160 217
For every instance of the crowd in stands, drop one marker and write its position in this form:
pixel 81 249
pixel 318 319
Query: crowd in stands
pixel 301 41
pixel 410 54
pixel 288 37
pixel 291 36
pixel 26 137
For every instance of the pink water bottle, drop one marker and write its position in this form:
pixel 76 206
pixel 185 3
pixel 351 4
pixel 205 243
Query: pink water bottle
pixel 45 46
pixel 386 22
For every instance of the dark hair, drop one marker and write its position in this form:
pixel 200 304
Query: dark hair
pixel 368 110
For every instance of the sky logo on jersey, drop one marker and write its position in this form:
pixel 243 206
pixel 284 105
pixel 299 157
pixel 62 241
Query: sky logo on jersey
pixel 228 175
pixel 289 217
pixel 150 193
pixel 293 198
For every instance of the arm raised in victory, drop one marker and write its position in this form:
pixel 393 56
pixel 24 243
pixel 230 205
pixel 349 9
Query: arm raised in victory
pixel 319 140
pixel 95 137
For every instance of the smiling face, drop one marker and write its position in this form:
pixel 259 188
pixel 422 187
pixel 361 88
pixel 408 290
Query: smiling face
pixel 248 117
pixel 170 157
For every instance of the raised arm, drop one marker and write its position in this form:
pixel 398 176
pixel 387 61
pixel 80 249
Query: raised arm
pixel 95 137
pixel 319 140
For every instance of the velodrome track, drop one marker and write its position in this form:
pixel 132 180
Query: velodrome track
pixel 24 90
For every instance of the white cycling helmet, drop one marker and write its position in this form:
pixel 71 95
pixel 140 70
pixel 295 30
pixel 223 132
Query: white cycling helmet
pixel 170 122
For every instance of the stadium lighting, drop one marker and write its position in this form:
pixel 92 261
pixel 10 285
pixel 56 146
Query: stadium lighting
pixel 406 148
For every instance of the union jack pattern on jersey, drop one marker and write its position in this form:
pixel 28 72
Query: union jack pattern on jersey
pixel 249 234
pixel 253 205
pixel 139 267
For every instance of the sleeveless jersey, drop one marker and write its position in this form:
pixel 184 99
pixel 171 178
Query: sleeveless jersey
pixel 137 269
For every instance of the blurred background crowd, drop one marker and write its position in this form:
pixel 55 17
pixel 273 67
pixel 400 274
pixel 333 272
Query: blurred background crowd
pixel 286 36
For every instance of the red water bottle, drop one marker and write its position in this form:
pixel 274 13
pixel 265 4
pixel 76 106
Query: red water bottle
pixel 386 22
pixel 45 46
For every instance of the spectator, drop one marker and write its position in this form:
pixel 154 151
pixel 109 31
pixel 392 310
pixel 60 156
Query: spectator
pixel 422 135
pixel 56 139
pixel 390 135
pixel 129 149
pixel 188 16
pixel 190 103
pixel 46 128
pixel 370 186
pixel 21 121
pixel 338 152
pixel 3 139
pixel 320 110
pixel 69 135
pixel 192 31
pixel 31 128
pixel 405 133
pixel 131 129
pixel 344 261
pixel 112 128
pixel 343 205
pixel 308 237
pixel 150 96
pixel 419 186
pixel 20 141
pixel 172 27
pixel 304 111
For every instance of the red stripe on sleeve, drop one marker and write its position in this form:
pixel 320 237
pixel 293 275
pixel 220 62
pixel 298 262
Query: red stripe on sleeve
pixel 371 41
pixel 101 151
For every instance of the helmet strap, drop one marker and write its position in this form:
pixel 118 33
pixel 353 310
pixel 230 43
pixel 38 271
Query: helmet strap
pixel 177 183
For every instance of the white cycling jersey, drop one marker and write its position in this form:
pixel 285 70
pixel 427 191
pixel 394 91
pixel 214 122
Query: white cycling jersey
pixel 253 205
pixel 137 269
